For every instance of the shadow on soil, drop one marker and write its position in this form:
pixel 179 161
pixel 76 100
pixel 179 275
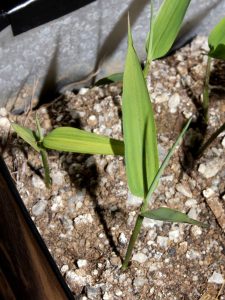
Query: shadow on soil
pixel 87 177
pixel 198 130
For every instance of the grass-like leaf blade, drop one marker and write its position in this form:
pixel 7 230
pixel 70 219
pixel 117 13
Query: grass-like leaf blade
pixel 27 135
pixel 70 139
pixel 141 154
pixel 166 26
pixel 170 215
pixel 166 161
pixel 216 41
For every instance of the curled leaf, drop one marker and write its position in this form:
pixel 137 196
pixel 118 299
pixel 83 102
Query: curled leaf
pixel 27 135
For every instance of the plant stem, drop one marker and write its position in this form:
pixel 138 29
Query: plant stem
pixel 46 167
pixel 210 140
pixel 135 233
pixel 205 104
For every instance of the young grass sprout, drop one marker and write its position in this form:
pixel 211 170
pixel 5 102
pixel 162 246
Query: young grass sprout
pixel 140 135
pixel 216 42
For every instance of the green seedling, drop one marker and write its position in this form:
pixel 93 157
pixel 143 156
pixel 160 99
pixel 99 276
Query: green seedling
pixel 216 42
pixel 34 139
pixel 67 139
pixel 140 136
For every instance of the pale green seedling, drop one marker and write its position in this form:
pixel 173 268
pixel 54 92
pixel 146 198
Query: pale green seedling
pixel 67 139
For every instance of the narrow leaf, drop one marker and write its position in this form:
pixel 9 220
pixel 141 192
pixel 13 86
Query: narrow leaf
pixel 26 134
pixel 80 141
pixel 170 215
pixel 117 77
pixel 39 130
pixel 149 35
pixel 166 26
pixel 141 154
pixel 166 161
pixel 216 41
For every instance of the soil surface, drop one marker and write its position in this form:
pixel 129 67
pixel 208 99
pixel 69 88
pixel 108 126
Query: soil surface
pixel 86 219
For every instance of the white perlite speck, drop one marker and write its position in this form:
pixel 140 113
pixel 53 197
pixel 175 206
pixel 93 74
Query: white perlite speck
pixel 83 91
pixel 83 219
pixel 73 278
pixel 150 223
pixel 122 239
pixel 223 142
pixel 37 182
pixel 184 190
pixel 39 208
pixel 57 177
pixel 174 235
pixel 192 254
pixel 4 123
pixel 208 193
pixel 211 168
pixel 174 102
pixel 140 257
pixel 216 278
pixel 57 203
pixel 162 241
pixel 140 281
pixel 64 268
pixel 81 263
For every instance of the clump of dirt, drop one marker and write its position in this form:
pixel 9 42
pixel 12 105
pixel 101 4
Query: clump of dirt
pixel 86 219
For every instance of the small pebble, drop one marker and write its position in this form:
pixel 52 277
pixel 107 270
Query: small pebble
pixel 174 102
pixel 216 278
pixel 83 91
pixel 193 213
pixel 4 123
pixel 174 235
pixel 57 203
pixel 92 120
pixel 162 241
pixel 81 263
pixel 118 293
pixel 37 182
pixel 140 257
pixel 64 268
pixel 150 223
pixel 223 142
pixel 57 177
pixel 190 203
pixel 184 190
pixel 211 168
pixel 83 219
pixel 208 193
pixel 192 254
pixel 196 231
pixel 74 279
pixel 140 281
pixel 122 239
pixel 39 208
pixel 93 292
